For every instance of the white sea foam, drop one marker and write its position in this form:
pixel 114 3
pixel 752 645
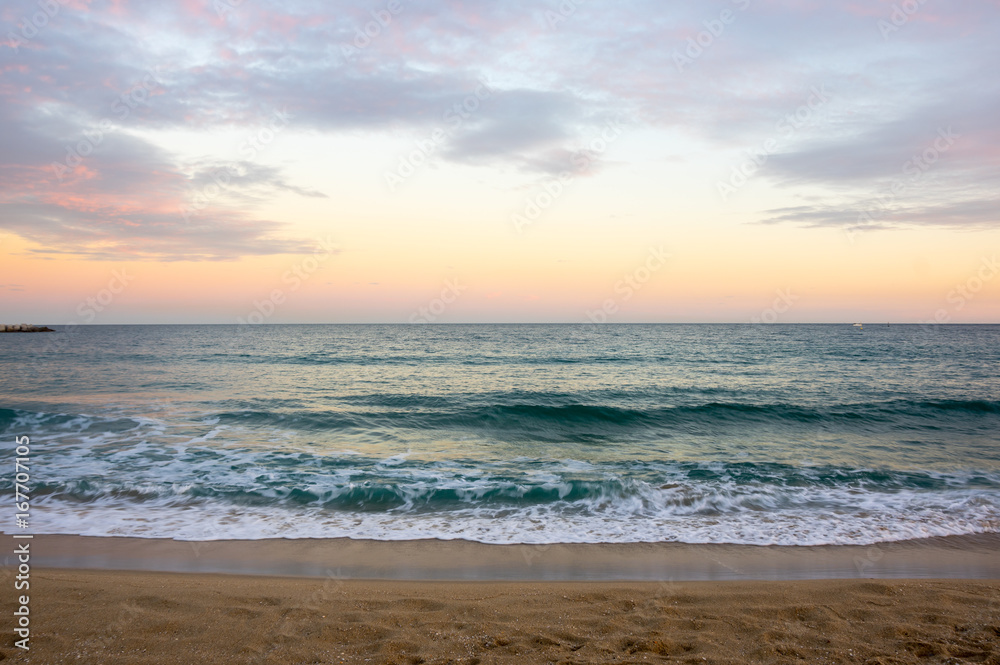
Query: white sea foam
pixel 538 525
pixel 166 498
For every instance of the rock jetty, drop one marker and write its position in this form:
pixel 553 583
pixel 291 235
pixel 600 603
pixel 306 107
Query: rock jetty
pixel 23 327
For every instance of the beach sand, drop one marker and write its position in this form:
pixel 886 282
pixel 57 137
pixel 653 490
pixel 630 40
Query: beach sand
pixel 89 616
pixel 133 600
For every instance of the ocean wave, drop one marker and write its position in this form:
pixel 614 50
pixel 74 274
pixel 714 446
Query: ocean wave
pixel 267 467
pixel 517 501
pixel 544 420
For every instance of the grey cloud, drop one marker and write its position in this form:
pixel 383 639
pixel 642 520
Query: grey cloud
pixel 111 235
pixel 863 215
pixel 125 173
pixel 514 125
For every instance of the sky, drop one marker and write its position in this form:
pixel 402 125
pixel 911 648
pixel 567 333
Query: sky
pixel 250 161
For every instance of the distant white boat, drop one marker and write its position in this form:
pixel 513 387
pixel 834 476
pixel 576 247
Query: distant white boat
pixel 859 325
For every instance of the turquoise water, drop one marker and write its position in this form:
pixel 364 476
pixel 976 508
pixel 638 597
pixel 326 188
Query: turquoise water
pixel 784 434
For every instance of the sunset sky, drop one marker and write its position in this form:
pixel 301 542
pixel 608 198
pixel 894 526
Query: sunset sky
pixel 214 161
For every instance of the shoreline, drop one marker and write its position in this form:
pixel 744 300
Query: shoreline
pixel 951 557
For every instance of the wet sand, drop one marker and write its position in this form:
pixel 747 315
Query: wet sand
pixel 963 557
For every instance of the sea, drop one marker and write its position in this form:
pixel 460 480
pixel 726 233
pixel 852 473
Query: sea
pixel 754 434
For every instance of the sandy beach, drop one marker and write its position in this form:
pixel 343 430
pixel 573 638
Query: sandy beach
pixel 87 616
pixel 108 600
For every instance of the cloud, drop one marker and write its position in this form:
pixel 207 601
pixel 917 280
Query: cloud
pixel 124 199
pixel 871 215
pixel 935 165
pixel 147 69
pixel 517 126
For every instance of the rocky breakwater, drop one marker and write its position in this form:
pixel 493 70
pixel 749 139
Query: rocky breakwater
pixel 22 327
